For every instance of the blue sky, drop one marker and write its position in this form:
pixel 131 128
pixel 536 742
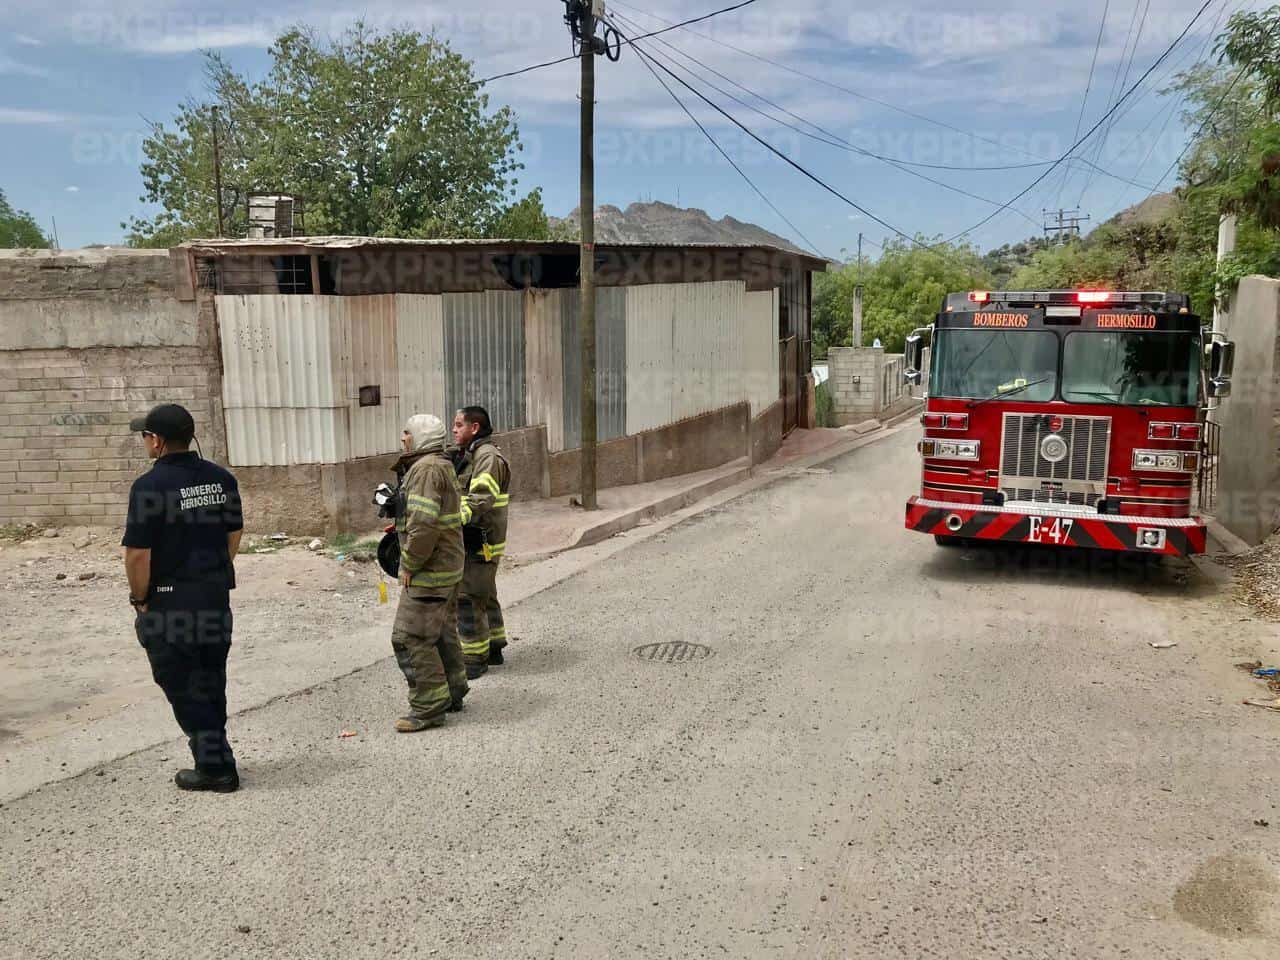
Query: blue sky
pixel 77 80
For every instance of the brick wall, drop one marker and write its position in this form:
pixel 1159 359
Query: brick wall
pixel 66 453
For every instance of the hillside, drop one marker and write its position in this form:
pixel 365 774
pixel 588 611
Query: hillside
pixel 664 223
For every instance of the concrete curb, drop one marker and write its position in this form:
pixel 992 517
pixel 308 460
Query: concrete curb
pixel 1235 546
pixel 593 533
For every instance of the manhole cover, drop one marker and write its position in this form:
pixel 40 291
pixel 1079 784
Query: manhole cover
pixel 672 651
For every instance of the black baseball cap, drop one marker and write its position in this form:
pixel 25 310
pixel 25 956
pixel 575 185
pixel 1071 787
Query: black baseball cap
pixel 168 420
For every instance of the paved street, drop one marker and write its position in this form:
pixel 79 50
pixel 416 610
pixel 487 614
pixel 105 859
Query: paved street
pixel 895 750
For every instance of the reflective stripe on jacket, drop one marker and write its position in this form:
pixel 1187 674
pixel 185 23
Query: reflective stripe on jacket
pixel 486 478
pixel 430 527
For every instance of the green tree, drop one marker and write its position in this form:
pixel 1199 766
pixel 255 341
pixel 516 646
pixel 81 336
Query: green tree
pixel 379 134
pixel 901 290
pixel 18 228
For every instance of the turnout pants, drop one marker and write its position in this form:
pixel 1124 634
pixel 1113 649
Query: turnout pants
pixel 480 623
pixel 425 640
pixel 186 632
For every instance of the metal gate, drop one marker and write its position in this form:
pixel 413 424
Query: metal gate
pixel 788 353
pixel 1207 477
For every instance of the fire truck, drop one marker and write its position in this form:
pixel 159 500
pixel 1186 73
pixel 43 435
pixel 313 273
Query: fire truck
pixel 1073 418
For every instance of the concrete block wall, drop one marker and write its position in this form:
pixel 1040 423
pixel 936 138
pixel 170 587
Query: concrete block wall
pixel 855 375
pixel 66 453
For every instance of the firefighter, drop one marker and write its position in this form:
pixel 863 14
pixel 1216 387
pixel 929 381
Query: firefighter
pixel 485 479
pixel 429 524
pixel 181 537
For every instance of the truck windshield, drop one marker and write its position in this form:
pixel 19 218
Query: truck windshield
pixel 1130 367
pixel 977 364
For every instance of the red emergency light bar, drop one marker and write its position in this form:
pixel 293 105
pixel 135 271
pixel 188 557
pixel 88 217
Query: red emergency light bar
pixel 1093 296
pixel 979 296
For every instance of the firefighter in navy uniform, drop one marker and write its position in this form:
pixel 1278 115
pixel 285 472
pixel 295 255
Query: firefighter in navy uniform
pixel 181 537
pixel 485 479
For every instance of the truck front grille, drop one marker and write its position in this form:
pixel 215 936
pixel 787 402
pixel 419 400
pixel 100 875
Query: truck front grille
pixel 1080 478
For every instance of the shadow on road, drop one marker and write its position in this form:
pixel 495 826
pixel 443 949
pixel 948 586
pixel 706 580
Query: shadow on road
pixel 993 562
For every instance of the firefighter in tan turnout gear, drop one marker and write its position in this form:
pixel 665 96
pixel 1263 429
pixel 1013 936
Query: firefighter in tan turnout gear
pixel 429 524
pixel 485 479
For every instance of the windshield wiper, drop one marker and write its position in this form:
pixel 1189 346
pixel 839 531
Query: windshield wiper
pixel 1115 398
pixel 1001 394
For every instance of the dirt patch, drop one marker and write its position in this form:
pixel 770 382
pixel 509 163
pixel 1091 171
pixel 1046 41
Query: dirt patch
pixel 1228 897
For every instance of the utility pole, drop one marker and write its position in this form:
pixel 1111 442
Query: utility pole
pixel 857 301
pixel 1062 224
pixel 217 169
pixel 587 262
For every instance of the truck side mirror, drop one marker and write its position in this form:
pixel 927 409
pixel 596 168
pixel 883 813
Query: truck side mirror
pixel 913 358
pixel 1222 361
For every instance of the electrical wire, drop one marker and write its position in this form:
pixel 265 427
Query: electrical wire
pixel 1097 45
pixel 770 147
pixel 1101 120
pixel 1037 162
pixel 742 173
pixel 829 138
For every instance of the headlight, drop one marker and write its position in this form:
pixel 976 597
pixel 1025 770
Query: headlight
pixel 1165 462
pixel 950 449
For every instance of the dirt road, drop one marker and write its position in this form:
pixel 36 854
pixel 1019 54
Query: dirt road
pixel 892 750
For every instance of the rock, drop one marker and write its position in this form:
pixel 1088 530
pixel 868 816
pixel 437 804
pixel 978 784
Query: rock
pixel 88 575
pixel 243 928
pixel 61 576
pixel 315 544
pixel 51 532
pixel 279 537
pixel 81 542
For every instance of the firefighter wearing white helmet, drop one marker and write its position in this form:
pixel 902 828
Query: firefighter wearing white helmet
pixel 425 634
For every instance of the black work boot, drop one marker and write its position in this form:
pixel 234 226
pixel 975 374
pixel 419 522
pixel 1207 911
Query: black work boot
pixel 476 670
pixel 495 653
pixel 199 780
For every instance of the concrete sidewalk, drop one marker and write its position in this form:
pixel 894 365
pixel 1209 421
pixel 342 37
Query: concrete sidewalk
pixel 541 528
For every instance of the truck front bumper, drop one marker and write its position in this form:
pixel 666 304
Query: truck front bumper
pixel 1058 526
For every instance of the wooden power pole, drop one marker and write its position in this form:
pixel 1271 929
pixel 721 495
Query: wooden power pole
pixel 587 263
pixel 217 169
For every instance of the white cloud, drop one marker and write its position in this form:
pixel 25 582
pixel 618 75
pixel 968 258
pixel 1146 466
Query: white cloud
pixel 8 65
pixel 72 189
pixel 12 116
pixel 25 41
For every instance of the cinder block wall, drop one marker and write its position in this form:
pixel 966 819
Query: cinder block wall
pixel 88 340
pixel 854 377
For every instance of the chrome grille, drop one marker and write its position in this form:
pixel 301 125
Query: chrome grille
pixel 1080 478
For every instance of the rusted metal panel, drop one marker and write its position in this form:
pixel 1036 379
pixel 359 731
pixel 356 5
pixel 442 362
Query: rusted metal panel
pixel 684 351
pixel 283 388
pixel 611 364
pixel 544 364
pixel 372 364
pixel 484 354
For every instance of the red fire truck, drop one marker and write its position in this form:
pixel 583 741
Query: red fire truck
pixel 1066 417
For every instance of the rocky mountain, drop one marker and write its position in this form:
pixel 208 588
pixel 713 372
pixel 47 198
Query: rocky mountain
pixel 663 223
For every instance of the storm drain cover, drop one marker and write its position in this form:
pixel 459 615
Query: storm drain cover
pixel 672 651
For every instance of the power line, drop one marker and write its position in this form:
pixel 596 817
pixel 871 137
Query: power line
pixel 772 149
pixel 715 143
pixel 1040 179
pixel 1097 45
pixel 835 140
pixel 884 103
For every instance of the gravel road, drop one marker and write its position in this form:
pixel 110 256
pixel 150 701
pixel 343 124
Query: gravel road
pixel 894 750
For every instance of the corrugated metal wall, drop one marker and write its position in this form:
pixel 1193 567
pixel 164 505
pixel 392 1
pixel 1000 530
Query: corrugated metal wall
pixel 283 386
pixel 760 350
pixel 544 368
pixel 294 366
pixel 420 354
pixel 611 364
pixel 684 351
pixel 484 354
